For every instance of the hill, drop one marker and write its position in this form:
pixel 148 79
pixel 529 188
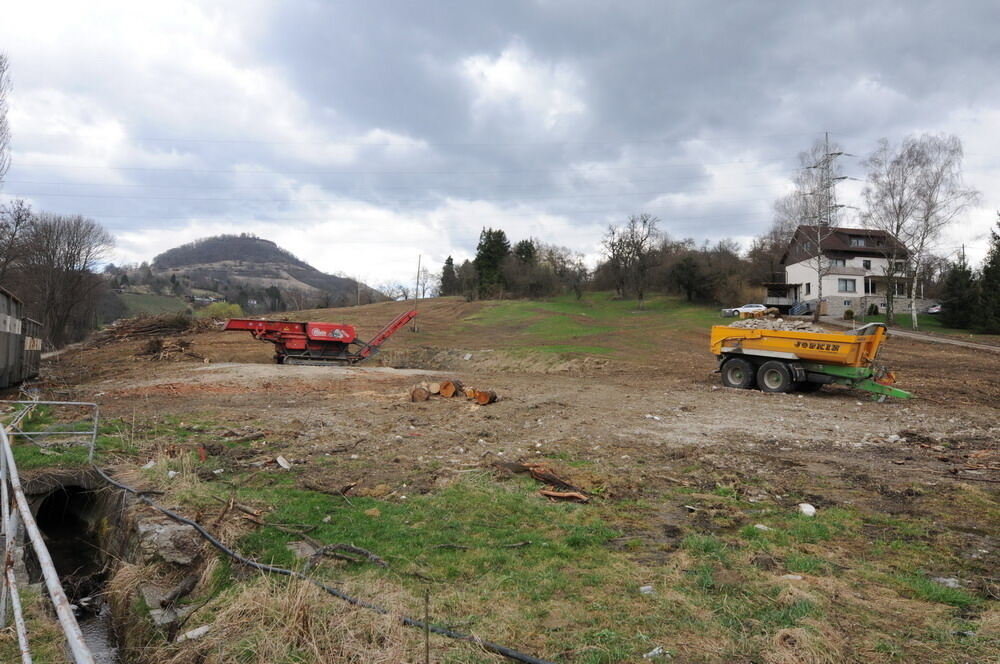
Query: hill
pixel 255 272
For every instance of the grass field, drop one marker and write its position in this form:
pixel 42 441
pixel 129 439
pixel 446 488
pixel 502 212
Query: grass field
pixel 693 492
pixel 588 325
pixel 928 323
pixel 137 304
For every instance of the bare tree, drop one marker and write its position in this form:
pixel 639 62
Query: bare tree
pixel 941 198
pixel 812 208
pixel 426 281
pixel 395 290
pixel 614 249
pixel 57 272
pixel 630 250
pixel 14 220
pixel 4 126
pixel 914 192
pixel 891 203
pixel 640 236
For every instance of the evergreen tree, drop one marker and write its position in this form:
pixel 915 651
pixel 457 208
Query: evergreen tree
pixel 958 301
pixel 449 278
pixel 526 251
pixel 986 317
pixel 493 247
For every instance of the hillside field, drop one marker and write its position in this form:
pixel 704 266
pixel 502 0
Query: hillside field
pixel 691 540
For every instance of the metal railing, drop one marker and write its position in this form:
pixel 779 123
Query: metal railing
pixel 16 513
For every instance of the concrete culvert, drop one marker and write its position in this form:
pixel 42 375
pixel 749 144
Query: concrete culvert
pixel 72 515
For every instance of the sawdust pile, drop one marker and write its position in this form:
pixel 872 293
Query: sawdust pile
pixel 777 324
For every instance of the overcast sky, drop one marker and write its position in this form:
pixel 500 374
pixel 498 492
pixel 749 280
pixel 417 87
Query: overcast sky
pixel 361 134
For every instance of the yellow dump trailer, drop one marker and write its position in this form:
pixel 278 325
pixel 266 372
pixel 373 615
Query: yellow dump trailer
pixel 786 360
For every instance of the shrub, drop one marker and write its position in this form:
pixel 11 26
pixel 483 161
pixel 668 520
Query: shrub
pixel 873 309
pixel 221 310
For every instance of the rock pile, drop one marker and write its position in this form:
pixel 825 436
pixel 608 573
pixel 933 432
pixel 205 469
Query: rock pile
pixel 777 324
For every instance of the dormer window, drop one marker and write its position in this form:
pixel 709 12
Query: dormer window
pixel 859 242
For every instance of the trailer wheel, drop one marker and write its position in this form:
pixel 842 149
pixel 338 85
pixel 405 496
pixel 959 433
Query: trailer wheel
pixel 774 376
pixel 738 373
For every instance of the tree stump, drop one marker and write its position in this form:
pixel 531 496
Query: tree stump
pixel 419 393
pixel 484 397
pixel 450 388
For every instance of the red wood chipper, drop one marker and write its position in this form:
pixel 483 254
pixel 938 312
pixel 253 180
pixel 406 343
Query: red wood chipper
pixel 317 343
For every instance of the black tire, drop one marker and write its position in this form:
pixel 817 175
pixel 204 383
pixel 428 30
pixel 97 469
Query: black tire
pixel 806 386
pixel 774 376
pixel 738 373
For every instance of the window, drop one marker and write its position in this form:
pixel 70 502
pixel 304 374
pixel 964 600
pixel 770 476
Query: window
pixel 859 242
pixel 900 288
pixel 847 286
pixel 900 267
pixel 807 246
pixel 871 287
pixel 838 262
pixel 808 288
pixel 867 264
pixel 847 303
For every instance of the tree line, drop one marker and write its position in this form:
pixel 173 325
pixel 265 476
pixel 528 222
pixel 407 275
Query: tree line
pixel 971 298
pixel 528 268
pixel 49 261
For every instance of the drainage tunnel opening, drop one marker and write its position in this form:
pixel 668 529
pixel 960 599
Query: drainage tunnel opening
pixel 66 518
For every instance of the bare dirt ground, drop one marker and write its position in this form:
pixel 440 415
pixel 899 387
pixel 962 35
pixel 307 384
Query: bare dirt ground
pixel 629 428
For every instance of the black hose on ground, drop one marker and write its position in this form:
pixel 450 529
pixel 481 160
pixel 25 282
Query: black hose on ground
pixel 410 622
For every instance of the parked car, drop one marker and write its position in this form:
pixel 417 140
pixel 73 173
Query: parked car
pixel 745 309
pixel 934 309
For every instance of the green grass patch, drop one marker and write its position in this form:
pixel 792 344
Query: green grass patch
pixel 470 529
pixel 927 589
pixel 925 323
pixel 137 304
pixel 547 323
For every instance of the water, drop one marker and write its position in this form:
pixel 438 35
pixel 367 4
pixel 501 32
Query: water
pixel 97 635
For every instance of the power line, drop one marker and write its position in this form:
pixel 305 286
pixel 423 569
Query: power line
pixel 277 172
pixel 390 144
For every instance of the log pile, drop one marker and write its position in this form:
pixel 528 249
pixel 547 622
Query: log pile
pixel 450 389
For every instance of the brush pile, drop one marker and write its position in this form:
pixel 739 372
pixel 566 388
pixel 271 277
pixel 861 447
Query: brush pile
pixel 144 327
pixel 160 349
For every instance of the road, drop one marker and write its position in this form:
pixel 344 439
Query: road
pixel 919 336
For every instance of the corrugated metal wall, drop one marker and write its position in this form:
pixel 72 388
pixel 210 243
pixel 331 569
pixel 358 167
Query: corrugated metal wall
pixel 20 342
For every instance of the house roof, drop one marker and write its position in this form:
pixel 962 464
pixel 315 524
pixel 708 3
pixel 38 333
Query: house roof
pixel 838 241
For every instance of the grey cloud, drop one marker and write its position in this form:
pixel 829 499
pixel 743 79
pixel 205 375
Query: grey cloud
pixel 668 93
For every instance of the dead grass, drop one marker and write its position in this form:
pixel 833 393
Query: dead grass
pixel 812 643
pixel 269 621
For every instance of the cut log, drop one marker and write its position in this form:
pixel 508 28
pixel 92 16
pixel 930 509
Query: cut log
pixel 470 393
pixel 419 394
pixel 450 388
pixel 484 397
pixel 434 388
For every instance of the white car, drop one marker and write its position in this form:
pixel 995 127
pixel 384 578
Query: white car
pixel 745 309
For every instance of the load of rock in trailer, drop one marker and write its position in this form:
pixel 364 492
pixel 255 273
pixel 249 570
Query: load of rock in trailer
pixel 777 324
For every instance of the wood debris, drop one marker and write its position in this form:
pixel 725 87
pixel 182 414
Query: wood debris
pixel 449 389
pixel 160 325
pixel 556 487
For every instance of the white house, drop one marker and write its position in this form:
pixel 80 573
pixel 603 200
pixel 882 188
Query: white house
pixel 853 264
